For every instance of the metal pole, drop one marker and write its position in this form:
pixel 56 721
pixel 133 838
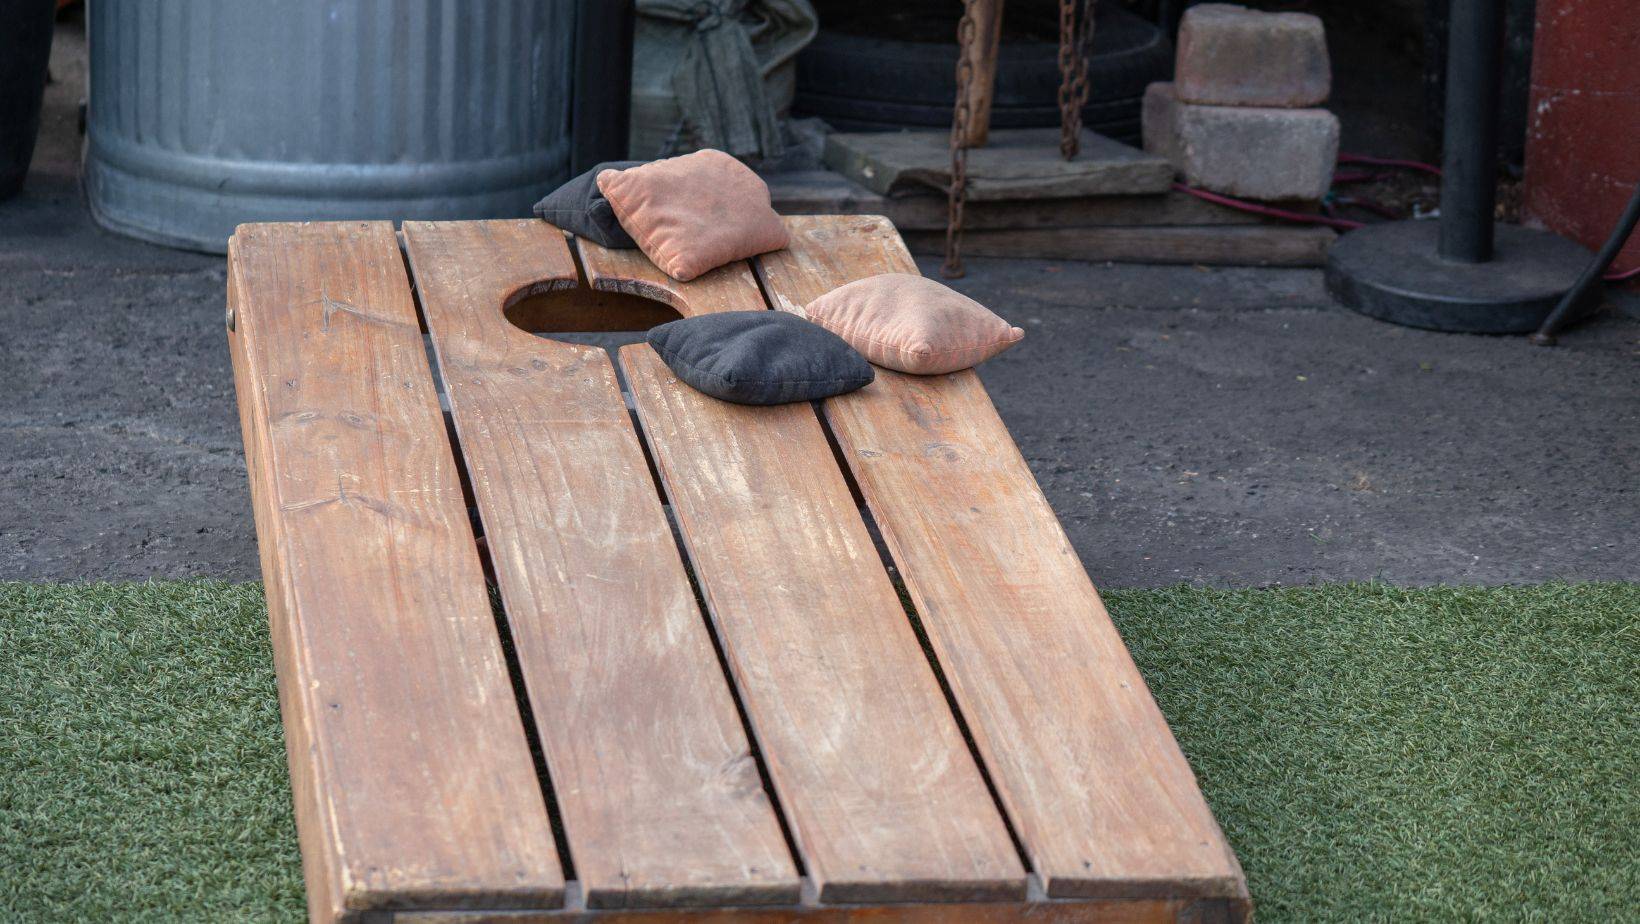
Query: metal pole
pixel 1574 299
pixel 1469 164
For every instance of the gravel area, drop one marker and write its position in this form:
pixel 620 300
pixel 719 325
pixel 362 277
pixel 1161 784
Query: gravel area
pixel 1221 426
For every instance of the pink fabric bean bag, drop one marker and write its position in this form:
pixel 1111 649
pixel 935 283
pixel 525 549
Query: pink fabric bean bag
pixel 913 324
pixel 694 213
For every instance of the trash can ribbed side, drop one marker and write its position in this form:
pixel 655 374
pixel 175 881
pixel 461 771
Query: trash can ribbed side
pixel 204 114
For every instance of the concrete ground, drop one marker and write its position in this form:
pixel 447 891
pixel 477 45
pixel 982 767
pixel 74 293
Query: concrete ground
pixel 1222 426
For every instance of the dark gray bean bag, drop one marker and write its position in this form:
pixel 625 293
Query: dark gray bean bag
pixel 579 208
pixel 760 357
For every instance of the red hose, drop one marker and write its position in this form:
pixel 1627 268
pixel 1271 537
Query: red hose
pixel 1357 176
pixel 1430 169
pixel 1346 224
pixel 1342 224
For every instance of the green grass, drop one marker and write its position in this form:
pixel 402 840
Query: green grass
pixel 142 765
pixel 1440 754
pixel 1371 752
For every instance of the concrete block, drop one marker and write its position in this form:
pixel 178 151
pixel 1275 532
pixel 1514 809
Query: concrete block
pixel 1158 120
pixel 1251 152
pixel 1232 56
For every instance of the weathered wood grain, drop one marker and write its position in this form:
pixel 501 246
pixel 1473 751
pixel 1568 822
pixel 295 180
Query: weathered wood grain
pixel 412 783
pixel 1099 792
pixel 728 288
pixel 883 796
pixel 412 780
pixel 1016 163
pixel 822 192
pixel 660 796
pixel 1216 245
pixel 982 73
pixel 1138 911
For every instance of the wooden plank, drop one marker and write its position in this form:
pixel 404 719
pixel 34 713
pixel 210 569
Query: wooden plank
pixel 1139 911
pixel 822 192
pixel 320 866
pixel 833 783
pixel 1216 245
pixel 1016 163
pixel 1098 791
pixel 660 796
pixel 826 192
pixel 727 288
pixel 982 76
pixel 884 798
pixel 411 774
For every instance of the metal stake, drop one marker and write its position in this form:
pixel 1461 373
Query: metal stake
pixel 1469 165
pixel 1466 274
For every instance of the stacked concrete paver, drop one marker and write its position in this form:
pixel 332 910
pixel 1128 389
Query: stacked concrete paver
pixel 1242 115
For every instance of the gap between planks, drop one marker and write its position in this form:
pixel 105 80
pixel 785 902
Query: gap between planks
pixel 767 299
pixel 655 781
pixel 498 609
pixel 368 629
pixel 1103 798
pixel 896 578
pixel 886 797
pixel 625 385
pixel 657 286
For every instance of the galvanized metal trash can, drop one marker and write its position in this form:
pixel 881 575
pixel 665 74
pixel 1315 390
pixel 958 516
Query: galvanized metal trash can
pixel 207 113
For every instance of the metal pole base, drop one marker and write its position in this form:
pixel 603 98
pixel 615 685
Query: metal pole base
pixel 1391 272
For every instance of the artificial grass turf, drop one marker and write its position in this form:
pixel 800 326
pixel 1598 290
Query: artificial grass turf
pixel 1371 752
pixel 1434 754
pixel 142 764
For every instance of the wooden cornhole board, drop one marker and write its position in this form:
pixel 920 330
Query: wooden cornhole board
pixel 792 742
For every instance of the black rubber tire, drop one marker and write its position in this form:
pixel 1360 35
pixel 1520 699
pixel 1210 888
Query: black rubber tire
pixel 857 83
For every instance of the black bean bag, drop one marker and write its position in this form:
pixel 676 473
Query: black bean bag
pixel 760 357
pixel 581 209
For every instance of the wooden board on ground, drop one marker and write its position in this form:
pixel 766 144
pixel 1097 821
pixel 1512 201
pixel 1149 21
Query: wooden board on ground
pixel 1102 799
pixel 1224 245
pixel 392 681
pixel 857 730
pixel 661 800
pixel 1127 911
pixel 822 192
pixel 1016 163
pixel 884 798
pixel 1039 784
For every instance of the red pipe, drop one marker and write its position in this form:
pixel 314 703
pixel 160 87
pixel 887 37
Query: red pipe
pixel 1342 224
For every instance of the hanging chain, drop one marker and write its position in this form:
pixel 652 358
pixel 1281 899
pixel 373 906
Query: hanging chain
pixel 961 116
pixel 1075 45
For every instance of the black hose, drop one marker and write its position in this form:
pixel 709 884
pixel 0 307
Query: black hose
pixel 1608 252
